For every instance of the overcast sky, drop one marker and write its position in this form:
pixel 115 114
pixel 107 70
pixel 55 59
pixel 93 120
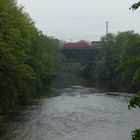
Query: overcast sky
pixel 82 19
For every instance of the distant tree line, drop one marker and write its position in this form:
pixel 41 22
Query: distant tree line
pixel 114 67
pixel 28 58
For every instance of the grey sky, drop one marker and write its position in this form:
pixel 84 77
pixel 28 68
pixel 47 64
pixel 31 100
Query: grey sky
pixel 82 19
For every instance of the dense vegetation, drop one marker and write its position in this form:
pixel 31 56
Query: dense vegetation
pixel 28 58
pixel 118 65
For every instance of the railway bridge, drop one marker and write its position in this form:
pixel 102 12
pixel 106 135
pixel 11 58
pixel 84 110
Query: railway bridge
pixel 80 52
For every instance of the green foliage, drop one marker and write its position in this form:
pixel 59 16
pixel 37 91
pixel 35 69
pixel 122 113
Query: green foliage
pixel 28 58
pixel 118 63
pixel 134 102
pixel 108 60
pixel 115 66
pixel 136 134
pixel 135 5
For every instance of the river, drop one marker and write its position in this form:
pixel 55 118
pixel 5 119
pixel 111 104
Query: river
pixel 76 113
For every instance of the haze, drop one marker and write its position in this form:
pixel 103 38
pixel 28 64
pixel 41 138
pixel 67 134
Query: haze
pixel 82 19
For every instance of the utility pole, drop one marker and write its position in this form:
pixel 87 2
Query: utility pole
pixel 107 27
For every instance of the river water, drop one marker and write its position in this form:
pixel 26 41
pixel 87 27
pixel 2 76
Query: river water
pixel 77 113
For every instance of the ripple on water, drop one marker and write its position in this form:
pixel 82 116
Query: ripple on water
pixel 79 113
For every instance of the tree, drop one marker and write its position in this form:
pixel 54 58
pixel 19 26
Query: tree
pixel 27 57
pixel 108 60
pixel 116 66
pixel 115 49
pixel 135 5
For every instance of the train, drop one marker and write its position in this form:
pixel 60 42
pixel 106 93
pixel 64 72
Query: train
pixel 82 44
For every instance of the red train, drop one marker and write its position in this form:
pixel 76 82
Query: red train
pixel 77 44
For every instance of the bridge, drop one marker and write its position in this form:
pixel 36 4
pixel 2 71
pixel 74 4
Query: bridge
pixel 80 53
